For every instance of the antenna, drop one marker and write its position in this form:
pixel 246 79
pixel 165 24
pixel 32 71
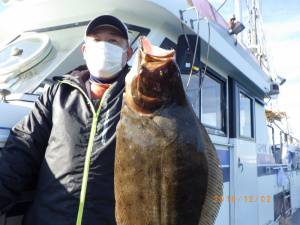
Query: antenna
pixel 238 16
pixel 257 43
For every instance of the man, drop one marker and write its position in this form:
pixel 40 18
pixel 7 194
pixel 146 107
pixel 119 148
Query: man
pixel 65 146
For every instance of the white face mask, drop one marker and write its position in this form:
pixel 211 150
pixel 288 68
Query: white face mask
pixel 104 60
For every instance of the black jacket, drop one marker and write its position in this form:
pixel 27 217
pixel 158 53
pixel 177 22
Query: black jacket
pixel 48 148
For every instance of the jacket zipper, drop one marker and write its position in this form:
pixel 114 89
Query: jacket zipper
pixel 88 152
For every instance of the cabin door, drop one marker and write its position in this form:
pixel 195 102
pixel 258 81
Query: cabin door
pixel 244 190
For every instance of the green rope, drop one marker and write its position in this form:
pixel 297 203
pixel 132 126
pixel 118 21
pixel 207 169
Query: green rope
pixel 88 152
pixel 87 165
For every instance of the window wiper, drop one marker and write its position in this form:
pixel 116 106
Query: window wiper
pixel 6 97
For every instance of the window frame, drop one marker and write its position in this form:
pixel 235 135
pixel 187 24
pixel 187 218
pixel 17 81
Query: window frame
pixel 223 90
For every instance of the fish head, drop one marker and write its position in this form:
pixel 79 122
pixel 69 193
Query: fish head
pixel 154 80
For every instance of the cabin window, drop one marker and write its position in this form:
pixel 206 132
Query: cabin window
pixel 213 103
pixel 168 44
pixel 192 90
pixel 245 115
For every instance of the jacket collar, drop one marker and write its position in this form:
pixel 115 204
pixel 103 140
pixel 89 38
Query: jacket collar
pixel 81 78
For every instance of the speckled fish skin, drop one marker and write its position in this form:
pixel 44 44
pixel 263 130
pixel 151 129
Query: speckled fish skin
pixel 166 168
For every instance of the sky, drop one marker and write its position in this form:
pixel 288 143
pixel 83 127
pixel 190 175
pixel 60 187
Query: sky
pixel 281 20
pixel 281 25
pixel 282 28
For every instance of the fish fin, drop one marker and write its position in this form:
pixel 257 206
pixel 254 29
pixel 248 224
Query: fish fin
pixel 211 207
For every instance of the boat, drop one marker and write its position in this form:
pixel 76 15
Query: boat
pixel 224 81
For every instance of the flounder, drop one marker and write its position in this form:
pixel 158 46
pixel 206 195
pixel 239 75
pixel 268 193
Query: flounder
pixel 166 167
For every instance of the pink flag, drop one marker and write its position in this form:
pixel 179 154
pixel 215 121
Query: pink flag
pixel 206 9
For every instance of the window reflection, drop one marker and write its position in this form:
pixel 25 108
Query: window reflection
pixel 192 91
pixel 211 99
pixel 245 116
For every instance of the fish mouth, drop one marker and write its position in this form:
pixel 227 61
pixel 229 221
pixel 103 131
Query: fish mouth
pixel 155 78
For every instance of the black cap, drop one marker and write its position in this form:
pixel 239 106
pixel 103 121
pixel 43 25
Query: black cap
pixel 107 20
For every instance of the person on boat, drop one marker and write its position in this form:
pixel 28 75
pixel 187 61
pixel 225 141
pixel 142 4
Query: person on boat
pixel 65 148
